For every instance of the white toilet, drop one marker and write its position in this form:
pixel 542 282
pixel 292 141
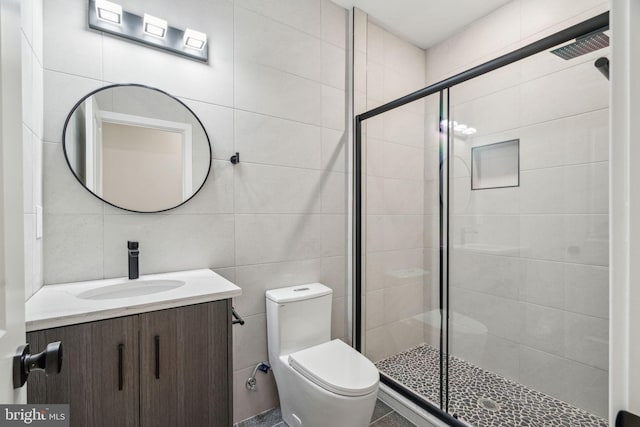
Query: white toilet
pixel 320 382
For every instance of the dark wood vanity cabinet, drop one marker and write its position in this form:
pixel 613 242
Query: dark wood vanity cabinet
pixel 163 368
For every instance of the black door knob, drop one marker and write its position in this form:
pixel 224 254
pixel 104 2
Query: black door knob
pixel 49 360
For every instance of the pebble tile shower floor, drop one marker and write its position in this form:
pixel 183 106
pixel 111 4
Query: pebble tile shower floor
pixel 482 398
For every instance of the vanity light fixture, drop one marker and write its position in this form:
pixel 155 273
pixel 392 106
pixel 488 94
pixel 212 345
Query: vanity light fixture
pixel 154 26
pixel 147 29
pixel 109 11
pixel 194 39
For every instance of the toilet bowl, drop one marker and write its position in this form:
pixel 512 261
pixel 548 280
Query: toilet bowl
pixel 321 382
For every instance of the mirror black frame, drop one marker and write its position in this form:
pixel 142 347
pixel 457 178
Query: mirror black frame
pixel 77 104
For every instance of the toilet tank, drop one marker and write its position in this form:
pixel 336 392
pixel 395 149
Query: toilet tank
pixel 298 317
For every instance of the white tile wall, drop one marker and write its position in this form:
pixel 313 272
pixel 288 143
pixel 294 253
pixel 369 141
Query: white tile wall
pixel 584 138
pixel 334 26
pixel 385 269
pixel 27 169
pixel 62 192
pixel 560 377
pixel 304 15
pixel 274 141
pixel 333 68
pixel 566 189
pixel 492 352
pixel 29 253
pixel 253 403
pixel 334 143
pixel 250 342
pixel 587 92
pixel 274 90
pixel 61 92
pixel 83 57
pixel 256 279
pixel 266 42
pixel 262 238
pixel 73 247
pixel 334 235
pixel 165 239
pixel 391 160
pixel 503 282
pixel 538 15
pixel 219 124
pixel 266 90
pixel 334 192
pixel 585 289
pixel 333 108
pixel 215 197
pixel 32 137
pixel 395 269
pixel 277 189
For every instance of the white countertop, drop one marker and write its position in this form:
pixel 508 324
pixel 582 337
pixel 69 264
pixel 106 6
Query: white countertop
pixel 59 305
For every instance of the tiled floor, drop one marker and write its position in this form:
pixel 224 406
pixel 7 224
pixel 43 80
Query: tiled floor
pixel 482 398
pixel 383 416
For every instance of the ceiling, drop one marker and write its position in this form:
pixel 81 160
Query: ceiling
pixel 424 22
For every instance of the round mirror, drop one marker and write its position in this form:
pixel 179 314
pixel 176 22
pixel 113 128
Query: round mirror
pixel 137 148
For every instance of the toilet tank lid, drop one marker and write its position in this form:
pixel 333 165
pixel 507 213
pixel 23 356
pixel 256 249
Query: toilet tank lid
pixel 298 293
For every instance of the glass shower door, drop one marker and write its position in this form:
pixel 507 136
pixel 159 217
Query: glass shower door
pixel 401 252
pixel 528 290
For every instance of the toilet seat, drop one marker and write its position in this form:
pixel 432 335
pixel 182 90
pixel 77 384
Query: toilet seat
pixel 336 367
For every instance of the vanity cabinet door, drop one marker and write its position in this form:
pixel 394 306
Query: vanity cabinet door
pixel 99 377
pixel 158 356
pixel 185 371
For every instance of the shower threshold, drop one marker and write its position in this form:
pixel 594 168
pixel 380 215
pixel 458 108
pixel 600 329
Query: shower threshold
pixel 482 398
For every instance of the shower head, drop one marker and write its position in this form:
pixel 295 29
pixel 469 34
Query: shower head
pixel 602 64
pixel 583 45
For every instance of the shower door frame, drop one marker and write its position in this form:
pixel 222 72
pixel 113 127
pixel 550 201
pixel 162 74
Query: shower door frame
pixel 597 23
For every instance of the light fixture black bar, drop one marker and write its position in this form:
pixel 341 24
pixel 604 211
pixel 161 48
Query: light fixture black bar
pixel 132 28
pixel 599 22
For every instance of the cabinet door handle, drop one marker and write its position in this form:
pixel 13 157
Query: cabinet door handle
pixel 120 361
pixel 157 345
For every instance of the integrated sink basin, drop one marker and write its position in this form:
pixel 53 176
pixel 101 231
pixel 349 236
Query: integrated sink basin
pixel 131 288
pixel 79 302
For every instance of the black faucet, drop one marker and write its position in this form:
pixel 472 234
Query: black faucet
pixel 133 260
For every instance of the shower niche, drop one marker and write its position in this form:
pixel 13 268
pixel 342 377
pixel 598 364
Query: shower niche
pixel 495 165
